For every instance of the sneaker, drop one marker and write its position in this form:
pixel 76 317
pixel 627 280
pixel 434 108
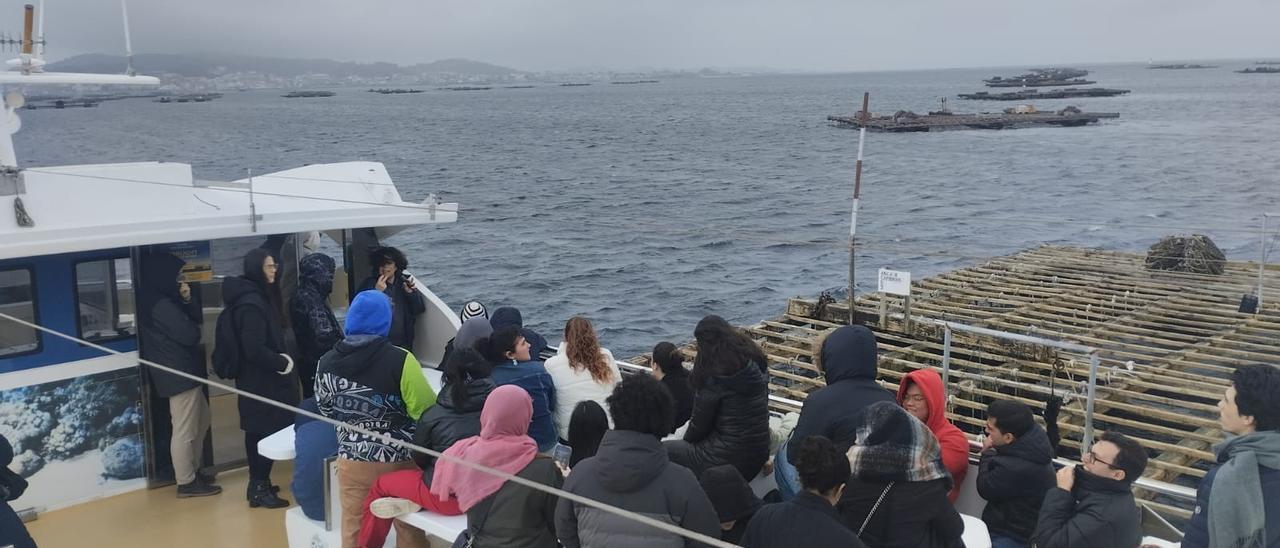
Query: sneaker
pixel 391 507
pixel 197 489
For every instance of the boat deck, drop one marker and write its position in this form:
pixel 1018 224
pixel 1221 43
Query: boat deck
pixel 1167 342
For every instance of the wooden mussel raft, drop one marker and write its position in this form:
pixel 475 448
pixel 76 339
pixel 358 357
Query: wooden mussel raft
pixel 1031 94
pixel 907 121
pixel 1167 343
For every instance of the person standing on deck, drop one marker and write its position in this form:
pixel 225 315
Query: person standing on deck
pixel 1238 503
pixel 407 303
pixel 1015 472
pixel 368 382
pixel 265 368
pixel 314 325
pixel 171 336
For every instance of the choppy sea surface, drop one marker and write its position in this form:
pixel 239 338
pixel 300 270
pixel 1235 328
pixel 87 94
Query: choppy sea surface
pixel 645 207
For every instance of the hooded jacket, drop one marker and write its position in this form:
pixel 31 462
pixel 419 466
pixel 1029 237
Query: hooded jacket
pixel 448 421
pixel 1013 479
pixel 368 382
pixel 264 369
pixel 12 531
pixel 732 498
pixel 835 410
pixel 510 316
pixel 730 424
pixel 472 330
pixel 1098 512
pixel 314 324
pixel 171 332
pixel 955 445
pixel 632 471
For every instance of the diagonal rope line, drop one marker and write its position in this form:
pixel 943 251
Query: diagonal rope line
pixel 384 438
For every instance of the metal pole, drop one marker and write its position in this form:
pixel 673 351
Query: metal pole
pixel 946 361
pixel 253 208
pixel 1262 265
pixel 857 191
pixel 1088 413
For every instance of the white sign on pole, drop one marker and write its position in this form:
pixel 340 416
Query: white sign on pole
pixel 894 282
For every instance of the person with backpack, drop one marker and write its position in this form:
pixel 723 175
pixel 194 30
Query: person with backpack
pixel 250 348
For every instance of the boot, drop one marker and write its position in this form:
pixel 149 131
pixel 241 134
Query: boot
pixel 197 488
pixel 259 493
pixel 207 477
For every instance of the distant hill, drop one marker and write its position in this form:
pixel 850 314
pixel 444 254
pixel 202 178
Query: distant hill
pixel 215 64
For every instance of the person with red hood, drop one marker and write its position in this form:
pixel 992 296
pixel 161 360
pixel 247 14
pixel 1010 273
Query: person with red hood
pixel 921 394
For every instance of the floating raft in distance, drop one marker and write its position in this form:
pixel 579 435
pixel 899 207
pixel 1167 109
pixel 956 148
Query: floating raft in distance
pixel 905 122
pixel 1168 342
pixel 1031 94
pixel 297 94
pixel 1038 83
pixel 1260 70
pixel 1181 66
pixel 386 91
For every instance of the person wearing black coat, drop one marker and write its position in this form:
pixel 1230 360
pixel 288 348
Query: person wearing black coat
pixel 12 531
pixel 265 368
pixel 407 302
pixel 456 414
pixel 809 519
pixel 733 500
pixel 730 420
pixel 1014 472
pixel 897 495
pixel 668 366
pixel 1093 505
pixel 314 326
pixel 171 337
pixel 847 358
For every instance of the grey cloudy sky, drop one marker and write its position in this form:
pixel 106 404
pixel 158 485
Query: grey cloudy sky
pixel 828 35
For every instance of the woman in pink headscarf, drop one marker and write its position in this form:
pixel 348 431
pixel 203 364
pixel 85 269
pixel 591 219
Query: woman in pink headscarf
pixel 500 513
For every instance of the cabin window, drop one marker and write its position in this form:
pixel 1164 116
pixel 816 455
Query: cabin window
pixel 17 299
pixel 104 299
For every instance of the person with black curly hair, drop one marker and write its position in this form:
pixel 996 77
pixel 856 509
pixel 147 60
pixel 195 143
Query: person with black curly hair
pixel 1238 503
pixel 631 471
pixel 389 276
pixel 809 519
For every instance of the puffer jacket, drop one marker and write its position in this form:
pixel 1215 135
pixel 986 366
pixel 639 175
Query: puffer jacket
pixel 172 333
pixel 1098 512
pixel 264 370
pixel 1013 479
pixel 314 325
pixel 631 471
pixel 730 424
pixel 835 410
pixel 518 516
pixel 448 421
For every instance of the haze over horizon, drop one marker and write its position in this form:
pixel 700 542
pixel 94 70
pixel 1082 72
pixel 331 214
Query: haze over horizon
pixel 810 35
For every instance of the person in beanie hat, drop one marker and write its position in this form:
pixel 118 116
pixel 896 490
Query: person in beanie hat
pixel 473 309
pixel 732 498
pixel 897 495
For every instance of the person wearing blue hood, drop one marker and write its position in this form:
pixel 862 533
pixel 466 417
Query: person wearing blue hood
pixel 847 358
pixel 368 382
pixel 509 316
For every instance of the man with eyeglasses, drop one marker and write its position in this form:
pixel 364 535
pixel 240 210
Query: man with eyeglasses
pixel 1238 503
pixel 1093 506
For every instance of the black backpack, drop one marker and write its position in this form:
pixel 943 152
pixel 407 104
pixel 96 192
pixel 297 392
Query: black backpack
pixel 226 347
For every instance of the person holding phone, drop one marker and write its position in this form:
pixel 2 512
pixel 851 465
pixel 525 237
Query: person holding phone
pixel 390 277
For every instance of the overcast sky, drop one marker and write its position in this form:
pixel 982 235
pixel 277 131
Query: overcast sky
pixel 824 35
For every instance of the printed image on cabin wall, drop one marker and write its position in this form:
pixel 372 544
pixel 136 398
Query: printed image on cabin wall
pixel 75 439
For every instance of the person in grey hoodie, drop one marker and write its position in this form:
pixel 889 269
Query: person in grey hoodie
pixel 631 471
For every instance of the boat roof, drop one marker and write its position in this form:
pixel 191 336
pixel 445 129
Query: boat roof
pixel 88 207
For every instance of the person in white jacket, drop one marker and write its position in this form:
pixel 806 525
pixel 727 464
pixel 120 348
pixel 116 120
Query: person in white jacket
pixel 581 370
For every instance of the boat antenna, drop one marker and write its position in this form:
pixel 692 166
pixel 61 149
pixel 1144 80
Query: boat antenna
pixel 128 44
pixel 40 34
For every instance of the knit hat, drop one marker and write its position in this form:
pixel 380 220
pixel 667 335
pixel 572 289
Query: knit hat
pixel 473 309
